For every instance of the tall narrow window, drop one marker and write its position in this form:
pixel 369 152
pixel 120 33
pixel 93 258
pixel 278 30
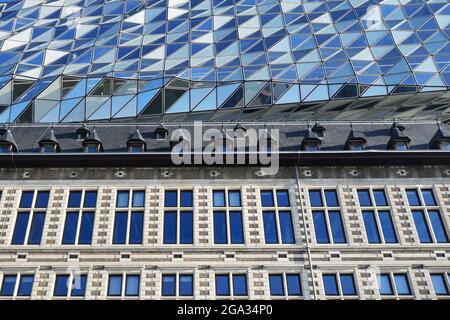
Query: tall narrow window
pixel 129 217
pixel 80 216
pixel 123 285
pixel 377 217
pixel 20 285
pixel 277 217
pixel 427 218
pixel 441 284
pixel 228 225
pixel 30 218
pixel 231 284
pixel 327 219
pixel 178 217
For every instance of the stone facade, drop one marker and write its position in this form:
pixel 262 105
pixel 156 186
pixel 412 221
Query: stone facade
pixel 204 259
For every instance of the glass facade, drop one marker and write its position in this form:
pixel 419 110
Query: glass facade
pixel 149 58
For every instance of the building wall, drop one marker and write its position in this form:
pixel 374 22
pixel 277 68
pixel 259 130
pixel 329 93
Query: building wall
pixel 204 259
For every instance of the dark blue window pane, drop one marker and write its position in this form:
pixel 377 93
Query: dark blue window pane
pixel 421 226
pixel 136 227
pixel 186 198
pixel 402 284
pixel 8 285
pixel 220 227
pixel 428 197
pixel 286 227
pixel 371 227
pixel 21 228
pixel 236 228
pixel 384 284
pixel 234 198
pixel 25 285
pixel 138 199
pixel 168 285
pixel 27 199
pixel 438 226
pixel 380 198
pixel 186 227
pixel 413 197
pixel 70 228
pixel 74 199
pixel 37 226
pixel 115 285
pixel 337 228
pixel 364 198
pixel 79 285
pixel 239 285
pixel 120 228
pixel 270 227
pixel 42 199
pixel 330 284
pixel 170 227
pixel 387 226
pixel 222 285
pixel 90 199
pixel 276 285
pixel 186 285
pixel 439 284
pixel 331 198
pixel 170 198
pixel 123 199
pixel 320 226
pixel 61 288
pixel 348 285
pixel 315 198
pixel 267 198
pixel 294 287
pixel 132 285
pixel 219 198
pixel 86 228
pixel 283 198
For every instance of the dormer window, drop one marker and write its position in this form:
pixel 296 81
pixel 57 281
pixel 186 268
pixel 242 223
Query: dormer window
pixel 49 143
pixel 319 130
pixel 5 148
pixel 444 144
pixel 356 146
pixel 82 132
pixel 136 143
pixel 161 133
pixel 400 145
pixel 92 147
pixel 311 146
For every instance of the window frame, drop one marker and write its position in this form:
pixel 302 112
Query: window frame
pixel 228 210
pixel 178 210
pixel 284 282
pixel 178 275
pixel 123 285
pixel 31 211
pixel 325 209
pixel 129 210
pixel 230 276
pixel 395 294
pixel 278 210
pixel 340 294
pixel 70 287
pixel 446 276
pixel 18 278
pixel 376 209
pixel 80 211
pixel 426 214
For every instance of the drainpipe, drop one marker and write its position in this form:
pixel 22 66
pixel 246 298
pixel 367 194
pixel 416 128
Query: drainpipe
pixel 308 247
